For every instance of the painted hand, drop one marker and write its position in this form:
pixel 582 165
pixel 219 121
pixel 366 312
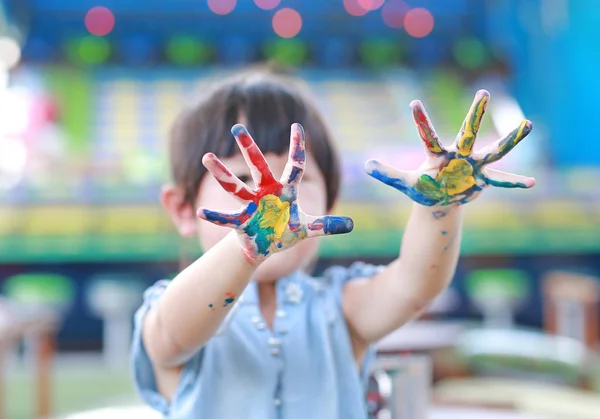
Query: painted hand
pixel 454 175
pixel 271 219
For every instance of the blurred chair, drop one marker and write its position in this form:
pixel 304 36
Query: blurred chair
pixel 114 298
pixel 35 304
pixel 403 386
pixel 497 293
pixel 571 306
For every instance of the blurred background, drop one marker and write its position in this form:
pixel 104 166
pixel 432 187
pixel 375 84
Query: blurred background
pixel 89 88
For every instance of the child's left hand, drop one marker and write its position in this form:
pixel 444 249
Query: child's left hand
pixel 454 175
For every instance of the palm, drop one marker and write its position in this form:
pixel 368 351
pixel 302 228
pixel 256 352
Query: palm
pixel 454 175
pixel 271 219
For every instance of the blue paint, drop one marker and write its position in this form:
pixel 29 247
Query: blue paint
pixel 334 225
pixel 296 171
pixel 238 129
pixel 400 185
pixel 444 233
pixel 230 219
pixel 499 184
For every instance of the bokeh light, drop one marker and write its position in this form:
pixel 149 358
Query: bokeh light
pixel 267 4
pixel 470 53
pixel 222 7
pixel 393 13
pixel 89 50
pixel 289 52
pixel 10 52
pixel 287 23
pixel 418 22
pixel 354 8
pixel 370 5
pixel 187 50
pixel 99 21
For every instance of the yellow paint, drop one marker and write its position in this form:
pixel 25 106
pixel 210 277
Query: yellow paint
pixel 275 214
pixel 456 177
pixel 471 127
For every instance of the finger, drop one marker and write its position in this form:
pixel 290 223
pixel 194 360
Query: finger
pixel 425 128
pixel 226 179
pixel 501 148
pixel 259 168
pixel 328 225
pixel 507 180
pixel 225 218
pixel 294 168
pixel 468 132
pixel 398 179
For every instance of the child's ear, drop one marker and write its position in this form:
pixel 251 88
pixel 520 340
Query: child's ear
pixel 182 213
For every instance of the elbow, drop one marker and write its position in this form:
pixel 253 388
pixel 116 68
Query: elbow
pixel 164 351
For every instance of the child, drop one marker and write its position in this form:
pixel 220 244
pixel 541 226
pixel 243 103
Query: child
pixel 294 347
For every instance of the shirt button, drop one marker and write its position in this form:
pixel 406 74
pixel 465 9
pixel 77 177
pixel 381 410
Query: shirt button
pixel 277 402
pixel 280 313
pixel 255 319
pixel 275 351
pixel 274 342
pixel 261 326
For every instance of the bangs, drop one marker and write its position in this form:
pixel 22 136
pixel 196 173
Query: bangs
pixel 267 111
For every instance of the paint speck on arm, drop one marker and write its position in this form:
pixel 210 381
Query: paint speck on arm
pixel 444 233
pixel 433 267
pixel 438 215
pixel 229 299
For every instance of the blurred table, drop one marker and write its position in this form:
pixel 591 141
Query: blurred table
pixel 421 336
pixel 532 398
pixel 40 325
pixel 475 413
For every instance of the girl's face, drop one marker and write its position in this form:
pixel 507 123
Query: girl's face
pixel 312 200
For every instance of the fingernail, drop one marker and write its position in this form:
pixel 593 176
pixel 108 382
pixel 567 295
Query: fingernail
pixel 238 129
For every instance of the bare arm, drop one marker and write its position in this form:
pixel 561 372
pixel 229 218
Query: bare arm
pixel 430 248
pixel 448 178
pixel 198 299
pixel 183 320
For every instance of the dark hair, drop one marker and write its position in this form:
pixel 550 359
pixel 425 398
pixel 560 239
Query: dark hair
pixel 270 104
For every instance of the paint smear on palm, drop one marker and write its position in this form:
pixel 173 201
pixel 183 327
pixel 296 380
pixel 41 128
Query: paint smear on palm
pixel 454 179
pixel 268 222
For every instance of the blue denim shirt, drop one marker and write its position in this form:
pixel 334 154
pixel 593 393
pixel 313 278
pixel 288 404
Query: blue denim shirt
pixel 303 368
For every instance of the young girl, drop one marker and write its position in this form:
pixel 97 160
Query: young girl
pixel 244 332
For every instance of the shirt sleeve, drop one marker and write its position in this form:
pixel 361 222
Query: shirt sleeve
pixel 142 369
pixel 338 276
pixel 143 372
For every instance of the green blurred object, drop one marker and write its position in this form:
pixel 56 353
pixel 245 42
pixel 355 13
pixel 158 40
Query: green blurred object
pixel 76 386
pixel 89 50
pixel 497 283
pixel 290 52
pixel 40 289
pixel 187 50
pixel 471 53
pixel 380 53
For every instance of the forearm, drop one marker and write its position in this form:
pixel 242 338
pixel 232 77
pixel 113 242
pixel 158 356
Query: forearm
pixel 430 248
pixel 429 251
pixel 196 302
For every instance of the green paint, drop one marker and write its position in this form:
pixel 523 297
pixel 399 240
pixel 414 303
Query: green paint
pixel 72 88
pixel 261 234
pixel 429 187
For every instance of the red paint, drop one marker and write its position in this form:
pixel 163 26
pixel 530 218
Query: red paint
pixel 423 126
pixel 245 140
pixel 243 194
pixel 434 266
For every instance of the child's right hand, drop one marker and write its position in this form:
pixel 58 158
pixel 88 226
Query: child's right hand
pixel 271 219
